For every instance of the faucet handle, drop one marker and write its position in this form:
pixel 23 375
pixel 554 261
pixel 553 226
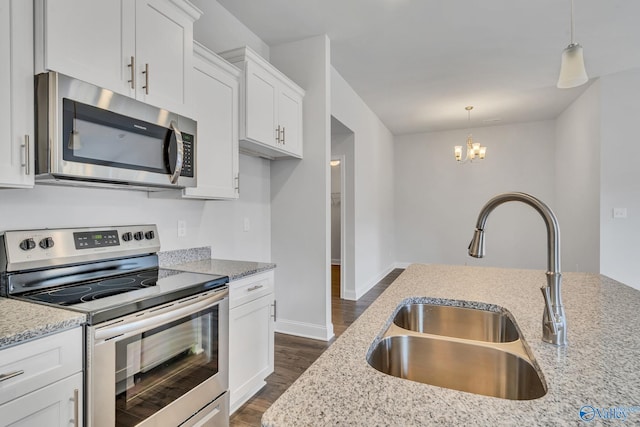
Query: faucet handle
pixel 547 303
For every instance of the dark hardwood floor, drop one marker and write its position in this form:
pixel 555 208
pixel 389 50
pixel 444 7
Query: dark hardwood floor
pixel 293 355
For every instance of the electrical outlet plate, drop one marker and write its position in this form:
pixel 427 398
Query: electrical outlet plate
pixel 619 213
pixel 182 228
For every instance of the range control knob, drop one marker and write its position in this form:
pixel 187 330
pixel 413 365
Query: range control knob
pixel 138 235
pixel 27 244
pixel 149 235
pixel 46 243
pixel 127 236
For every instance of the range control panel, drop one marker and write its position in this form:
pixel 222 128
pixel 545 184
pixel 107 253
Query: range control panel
pixel 24 249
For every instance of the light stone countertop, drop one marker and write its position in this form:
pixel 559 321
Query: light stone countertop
pixel 234 269
pixel 600 367
pixel 22 321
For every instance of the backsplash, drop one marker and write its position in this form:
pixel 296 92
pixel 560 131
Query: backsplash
pixel 180 256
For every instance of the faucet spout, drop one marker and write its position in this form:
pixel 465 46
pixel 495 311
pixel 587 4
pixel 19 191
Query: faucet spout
pixel 554 322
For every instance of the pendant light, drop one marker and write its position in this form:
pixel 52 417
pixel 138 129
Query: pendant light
pixel 572 71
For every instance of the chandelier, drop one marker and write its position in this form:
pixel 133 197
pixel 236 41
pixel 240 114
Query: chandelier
pixel 474 149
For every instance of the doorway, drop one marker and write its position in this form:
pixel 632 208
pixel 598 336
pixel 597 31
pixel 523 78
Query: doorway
pixel 342 211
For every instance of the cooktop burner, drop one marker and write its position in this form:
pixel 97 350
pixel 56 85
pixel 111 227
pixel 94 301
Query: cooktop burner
pixel 85 292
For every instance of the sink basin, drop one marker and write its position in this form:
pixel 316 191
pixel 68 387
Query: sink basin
pixel 457 322
pixel 458 366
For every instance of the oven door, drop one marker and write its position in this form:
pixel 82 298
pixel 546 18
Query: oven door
pixel 159 367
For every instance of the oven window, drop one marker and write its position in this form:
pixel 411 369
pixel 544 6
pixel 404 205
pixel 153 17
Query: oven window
pixel 157 367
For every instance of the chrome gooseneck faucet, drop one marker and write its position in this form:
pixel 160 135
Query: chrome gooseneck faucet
pixel 554 322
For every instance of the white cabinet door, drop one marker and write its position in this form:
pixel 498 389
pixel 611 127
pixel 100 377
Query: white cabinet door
pixel 138 48
pixel 16 96
pixel 270 107
pixel 251 340
pixel 260 103
pixel 290 121
pixel 164 48
pixel 215 101
pixel 56 405
pixel 91 40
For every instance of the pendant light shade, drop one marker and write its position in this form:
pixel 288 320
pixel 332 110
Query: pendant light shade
pixel 572 71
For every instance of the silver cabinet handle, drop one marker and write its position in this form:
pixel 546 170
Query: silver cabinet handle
pixel 237 187
pixel 76 410
pixel 283 135
pixel 146 79
pixel 255 288
pixel 4 377
pixel 179 154
pixel 274 310
pixel 132 65
pixel 27 156
pixel 278 135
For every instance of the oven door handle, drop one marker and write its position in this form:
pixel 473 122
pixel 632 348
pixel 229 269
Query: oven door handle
pixel 160 317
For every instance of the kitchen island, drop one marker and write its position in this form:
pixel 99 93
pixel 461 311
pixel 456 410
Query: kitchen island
pixel 598 370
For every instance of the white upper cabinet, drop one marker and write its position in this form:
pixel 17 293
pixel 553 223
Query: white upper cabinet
pixel 215 99
pixel 139 48
pixel 270 107
pixel 16 94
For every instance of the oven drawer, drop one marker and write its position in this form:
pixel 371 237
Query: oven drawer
pixel 35 364
pixel 250 288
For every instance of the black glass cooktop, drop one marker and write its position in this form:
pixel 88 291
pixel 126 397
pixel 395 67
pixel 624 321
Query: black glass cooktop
pixel 107 298
pixel 90 291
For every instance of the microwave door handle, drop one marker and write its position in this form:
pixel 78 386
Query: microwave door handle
pixel 179 152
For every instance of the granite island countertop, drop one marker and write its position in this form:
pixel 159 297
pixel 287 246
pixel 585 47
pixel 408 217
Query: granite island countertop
pixel 234 269
pixel 600 367
pixel 22 321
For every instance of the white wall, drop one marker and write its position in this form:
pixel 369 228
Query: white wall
pixel 373 166
pixel 221 31
pixel 437 200
pixel 620 177
pixel 578 182
pixel 209 223
pixel 300 199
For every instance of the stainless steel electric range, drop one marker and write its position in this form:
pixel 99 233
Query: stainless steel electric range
pixel 156 339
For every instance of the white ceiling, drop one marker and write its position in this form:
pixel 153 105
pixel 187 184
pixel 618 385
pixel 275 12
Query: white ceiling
pixel 418 63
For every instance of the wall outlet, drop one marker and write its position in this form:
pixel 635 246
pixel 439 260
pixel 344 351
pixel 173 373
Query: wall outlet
pixel 246 225
pixel 619 213
pixel 182 228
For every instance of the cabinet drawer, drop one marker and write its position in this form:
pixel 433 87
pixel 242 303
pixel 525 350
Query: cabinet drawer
pixel 38 363
pixel 250 288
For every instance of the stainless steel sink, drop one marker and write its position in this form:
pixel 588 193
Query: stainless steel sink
pixel 457 322
pixel 459 366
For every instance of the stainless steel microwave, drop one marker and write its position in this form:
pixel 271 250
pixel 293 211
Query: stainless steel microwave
pixel 86 135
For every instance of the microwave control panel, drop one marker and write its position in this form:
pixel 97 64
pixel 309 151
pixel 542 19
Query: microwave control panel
pixel 187 155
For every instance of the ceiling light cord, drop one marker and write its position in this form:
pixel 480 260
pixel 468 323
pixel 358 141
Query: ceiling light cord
pixel 572 26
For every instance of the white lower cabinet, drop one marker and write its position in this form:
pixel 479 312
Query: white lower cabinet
pixel 251 335
pixel 56 405
pixel 41 382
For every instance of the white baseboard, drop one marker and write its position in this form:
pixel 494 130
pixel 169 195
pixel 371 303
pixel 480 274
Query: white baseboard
pixel 361 290
pixel 306 330
pixel 336 262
